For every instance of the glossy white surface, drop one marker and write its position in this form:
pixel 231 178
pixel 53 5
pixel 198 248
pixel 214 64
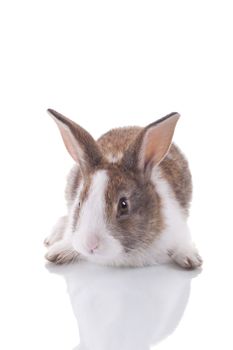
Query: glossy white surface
pixel 105 64
pixel 89 307
pixel 126 308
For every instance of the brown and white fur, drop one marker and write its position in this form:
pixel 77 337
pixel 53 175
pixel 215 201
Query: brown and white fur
pixel 128 198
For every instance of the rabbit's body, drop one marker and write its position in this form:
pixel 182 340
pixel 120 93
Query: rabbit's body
pixel 152 229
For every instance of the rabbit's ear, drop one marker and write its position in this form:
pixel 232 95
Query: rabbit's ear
pixel 151 145
pixel 79 143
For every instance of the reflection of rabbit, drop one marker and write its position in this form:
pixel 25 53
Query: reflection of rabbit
pixel 128 197
pixel 125 308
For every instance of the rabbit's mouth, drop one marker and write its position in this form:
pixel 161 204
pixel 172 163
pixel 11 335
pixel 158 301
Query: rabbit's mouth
pixel 102 248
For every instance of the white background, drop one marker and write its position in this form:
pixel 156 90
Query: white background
pixel 106 64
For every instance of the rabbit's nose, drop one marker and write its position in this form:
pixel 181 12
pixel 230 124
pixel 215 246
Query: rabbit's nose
pixel 93 244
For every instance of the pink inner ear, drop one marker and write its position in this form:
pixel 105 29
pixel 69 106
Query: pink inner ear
pixel 157 141
pixel 70 143
pixel 79 143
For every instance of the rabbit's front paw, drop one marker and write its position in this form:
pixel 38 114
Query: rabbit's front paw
pixel 61 253
pixel 61 257
pixel 188 258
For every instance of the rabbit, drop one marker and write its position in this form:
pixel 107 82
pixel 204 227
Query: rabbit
pixel 128 197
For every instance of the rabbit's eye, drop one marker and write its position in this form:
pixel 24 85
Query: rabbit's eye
pixel 123 207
